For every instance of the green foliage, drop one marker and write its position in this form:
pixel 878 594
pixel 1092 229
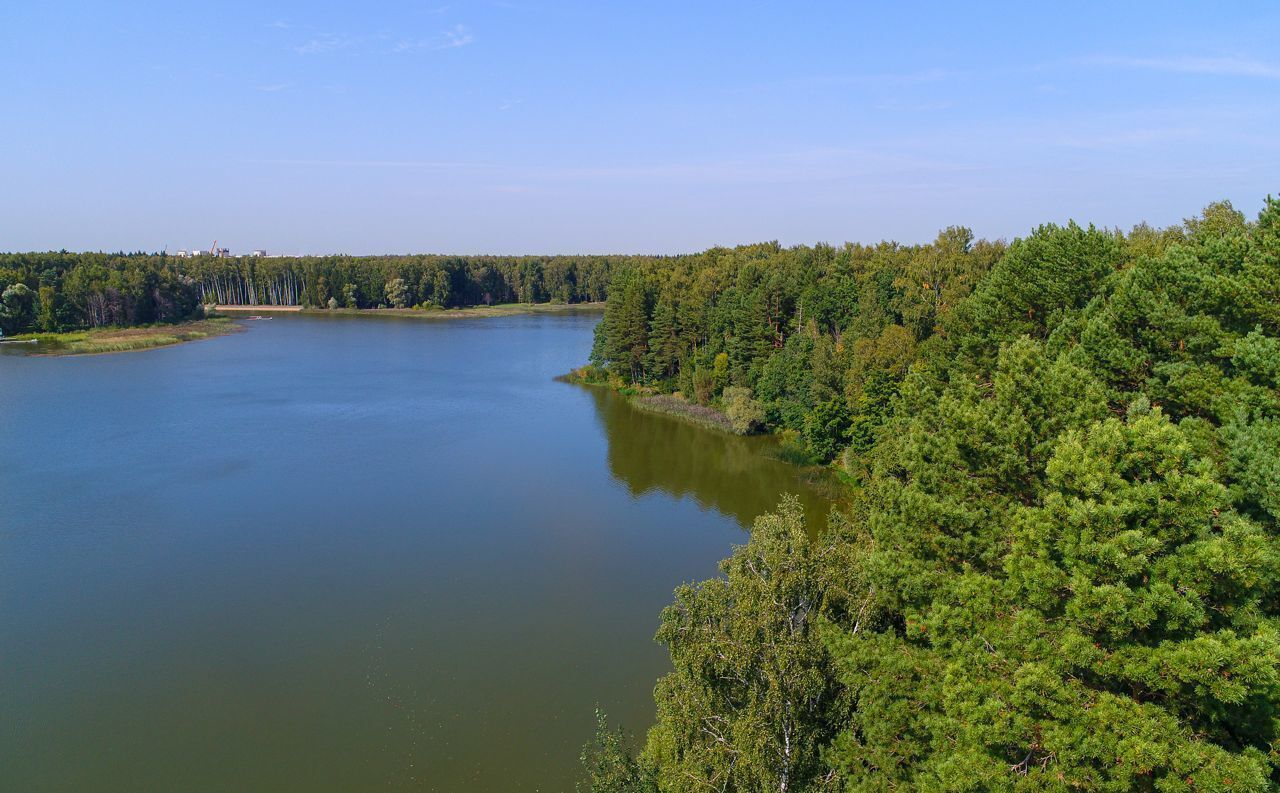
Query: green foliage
pixel 792 450
pixel 1061 569
pixel 664 340
pixel 609 767
pixel 746 415
pixel 1254 450
pixel 1257 357
pixel 751 689
pixel 786 385
pixel 397 292
pixel 872 408
pixel 824 429
pixel 1037 284
pixel 801 327
pixel 622 337
pixel 720 371
pixel 48 302
pixel 17 308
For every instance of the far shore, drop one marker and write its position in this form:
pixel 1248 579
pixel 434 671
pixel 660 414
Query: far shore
pixel 99 341
pixel 254 309
pixel 498 310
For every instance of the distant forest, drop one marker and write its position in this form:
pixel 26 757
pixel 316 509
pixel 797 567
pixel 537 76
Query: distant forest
pixel 1061 566
pixel 68 291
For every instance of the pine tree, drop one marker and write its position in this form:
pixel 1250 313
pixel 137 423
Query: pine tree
pixel 664 342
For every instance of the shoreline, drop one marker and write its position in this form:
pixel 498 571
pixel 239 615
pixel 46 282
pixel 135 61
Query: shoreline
pixel 498 310
pixel 824 477
pixel 643 398
pixel 108 341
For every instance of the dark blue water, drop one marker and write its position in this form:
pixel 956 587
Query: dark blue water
pixel 341 554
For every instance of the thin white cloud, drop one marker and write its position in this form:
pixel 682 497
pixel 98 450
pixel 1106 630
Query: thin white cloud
pixel 430 164
pixel 916 107
pixel 272 88
pixel 457 36
pixel 1227 67
pixel 325 42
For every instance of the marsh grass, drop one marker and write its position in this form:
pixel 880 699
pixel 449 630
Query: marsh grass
pixel 675 406
pixel 108 340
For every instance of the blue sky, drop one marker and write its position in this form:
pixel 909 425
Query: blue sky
pixel 542 127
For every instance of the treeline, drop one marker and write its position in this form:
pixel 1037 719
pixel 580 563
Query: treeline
pixel 1061 570
pixel 402 281
pixel 66 291
pixel 820 335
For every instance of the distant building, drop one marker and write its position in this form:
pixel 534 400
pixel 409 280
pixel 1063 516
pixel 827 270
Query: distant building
pixel 216 252
pixel 258 254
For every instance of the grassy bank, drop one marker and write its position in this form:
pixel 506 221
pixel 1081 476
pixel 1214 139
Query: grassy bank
pixel 834 482
pixel 105 340
pixel 671 405
pixel 648 400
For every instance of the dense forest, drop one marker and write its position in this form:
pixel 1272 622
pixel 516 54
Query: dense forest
pixel 1061 565
pixel 67 291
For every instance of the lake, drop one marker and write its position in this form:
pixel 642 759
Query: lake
pixel 337 554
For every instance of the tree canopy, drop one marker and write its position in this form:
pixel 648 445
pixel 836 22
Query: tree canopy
pixel 1061 567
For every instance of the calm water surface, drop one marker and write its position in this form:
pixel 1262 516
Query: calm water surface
pixel 342 554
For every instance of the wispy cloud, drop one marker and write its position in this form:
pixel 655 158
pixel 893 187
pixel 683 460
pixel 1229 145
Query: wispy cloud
pixel 916 107
pixel 425 164
pixel 1225 66
pixel 272 88
pixel 325 42
pixel 457 36
pixel 510 103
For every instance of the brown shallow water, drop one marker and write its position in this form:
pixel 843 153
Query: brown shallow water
pixel 334 554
